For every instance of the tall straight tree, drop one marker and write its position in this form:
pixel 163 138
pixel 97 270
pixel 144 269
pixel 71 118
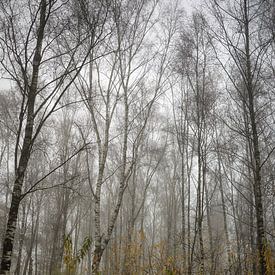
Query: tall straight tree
pixel 194 61
pixel 37 38
pixel 247 41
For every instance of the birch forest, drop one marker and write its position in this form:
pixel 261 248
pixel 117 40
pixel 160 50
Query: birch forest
pixel 137 137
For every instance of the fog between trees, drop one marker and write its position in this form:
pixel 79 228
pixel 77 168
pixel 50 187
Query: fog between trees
pixel 137 138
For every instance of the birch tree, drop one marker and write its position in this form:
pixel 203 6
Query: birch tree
pixel 244 38
pixel 34 41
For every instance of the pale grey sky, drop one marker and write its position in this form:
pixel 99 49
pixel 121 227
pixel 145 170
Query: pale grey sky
pixel 5 84
pixel 190 4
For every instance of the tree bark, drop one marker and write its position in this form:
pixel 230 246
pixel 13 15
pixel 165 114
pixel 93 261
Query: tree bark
pixel 261 240
pixel 26 149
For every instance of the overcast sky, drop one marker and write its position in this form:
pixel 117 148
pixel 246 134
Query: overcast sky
pixel 188 5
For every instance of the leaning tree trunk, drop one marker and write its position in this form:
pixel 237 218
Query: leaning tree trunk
pixel 26 149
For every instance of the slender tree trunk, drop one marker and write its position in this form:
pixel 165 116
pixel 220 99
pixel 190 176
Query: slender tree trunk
pixel 55 242
pixel 89 260
pixel 261 239
pixel 209 225
pixel 228 249
pixel 221 189
pixel 189 165
pixel 236 227
pixel 141 258
pixel 37 237
pixel 30 247
pixel 128 255
pixel 98 251
pixel 200 214
pixel 26 149
pixel 33 240
pixel 200 191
